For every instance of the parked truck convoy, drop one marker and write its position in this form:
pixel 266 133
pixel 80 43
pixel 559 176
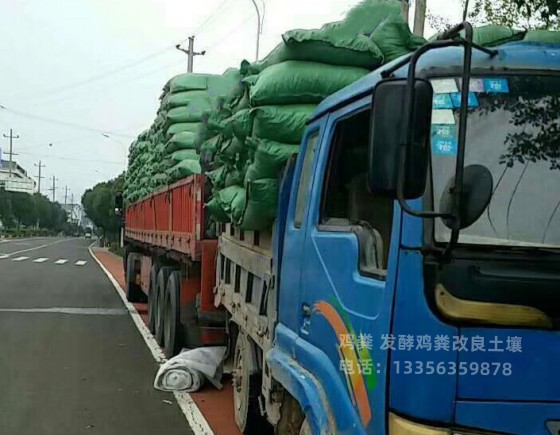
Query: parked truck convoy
pixel 410 282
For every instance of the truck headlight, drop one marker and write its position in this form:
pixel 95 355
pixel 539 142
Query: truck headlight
pixel 401 426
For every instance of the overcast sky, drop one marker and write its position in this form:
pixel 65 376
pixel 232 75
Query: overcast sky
pixel 99 66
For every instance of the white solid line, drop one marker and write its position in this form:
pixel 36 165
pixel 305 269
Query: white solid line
pixel 20 259
pixel 196 420
pixel 4 256
pixel 62 261
pixel 40 260
pixel 69 310
pixel 80 263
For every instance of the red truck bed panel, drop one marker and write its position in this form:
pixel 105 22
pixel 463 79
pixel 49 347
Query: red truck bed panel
pixel 171 218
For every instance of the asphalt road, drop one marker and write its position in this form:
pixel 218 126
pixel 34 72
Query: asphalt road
pixel 71 359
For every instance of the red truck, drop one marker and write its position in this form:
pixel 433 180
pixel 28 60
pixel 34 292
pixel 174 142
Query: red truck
pixel 170 263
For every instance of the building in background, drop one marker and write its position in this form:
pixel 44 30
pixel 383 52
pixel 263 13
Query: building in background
pixel 19 181
pixel 75 213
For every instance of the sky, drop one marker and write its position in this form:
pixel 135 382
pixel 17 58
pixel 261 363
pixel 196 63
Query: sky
pixel 86 75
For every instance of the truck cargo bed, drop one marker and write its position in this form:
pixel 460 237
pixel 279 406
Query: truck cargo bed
pixel 171 219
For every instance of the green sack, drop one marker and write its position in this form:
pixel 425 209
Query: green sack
pixel 232 201
pixel 217 177
pixel 231 148
pixel 181 141
pixel 214 208
pixel 269 159
pixel 240 124
pixel 187 82
pixel 262 204
pixel 545 36
pixel 296 82
pixel 180 99
pixel 184 169
pixel 193 112
pixel 282 123
pixel 211 145
pixel 181 155
pixel 395 39
pixel 233 177
pixel 173 129
pixel 493 35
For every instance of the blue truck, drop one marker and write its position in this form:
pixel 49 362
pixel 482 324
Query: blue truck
pixel 411 283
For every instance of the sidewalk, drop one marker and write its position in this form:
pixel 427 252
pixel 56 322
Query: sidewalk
pixel 215 405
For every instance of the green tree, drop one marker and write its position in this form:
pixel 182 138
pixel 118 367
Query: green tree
pixel 526 14
pixel 98 203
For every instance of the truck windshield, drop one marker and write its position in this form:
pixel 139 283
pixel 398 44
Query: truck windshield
pixel 513 130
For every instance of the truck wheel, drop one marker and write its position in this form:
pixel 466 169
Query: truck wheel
pixel 161 282
pixel 133 291
pixel 152 298
pixel 173 337
pixel 246 388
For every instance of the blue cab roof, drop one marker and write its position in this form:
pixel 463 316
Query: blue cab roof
pixel 512 56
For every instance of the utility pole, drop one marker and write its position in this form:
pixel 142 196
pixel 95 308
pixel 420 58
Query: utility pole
pixel 405 6
pixel 190 53
pixel 39 177
pixel 53 189
pixel 11 153
pixel 65 195
pixel 420 17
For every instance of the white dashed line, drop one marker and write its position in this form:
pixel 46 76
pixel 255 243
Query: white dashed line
pixel 80 263
pixel 40 260
pixel 4 256
pixel 61 261
pixel 20 259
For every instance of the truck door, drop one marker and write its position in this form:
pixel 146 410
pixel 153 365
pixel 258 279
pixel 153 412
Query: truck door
pixel 294 235
pixel 348 275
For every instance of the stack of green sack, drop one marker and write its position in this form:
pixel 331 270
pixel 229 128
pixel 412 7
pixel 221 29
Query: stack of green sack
pixel 281 92
pixel 139 177
pixel 183 103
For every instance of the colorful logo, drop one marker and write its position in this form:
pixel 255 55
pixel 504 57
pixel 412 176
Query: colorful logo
pixel 355 357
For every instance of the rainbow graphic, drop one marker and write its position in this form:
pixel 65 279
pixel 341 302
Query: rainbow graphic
pixel 355 356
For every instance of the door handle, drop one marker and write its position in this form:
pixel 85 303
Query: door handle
pixel 306 310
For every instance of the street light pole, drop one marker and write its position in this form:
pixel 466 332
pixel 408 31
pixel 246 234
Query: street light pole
pixel 259 28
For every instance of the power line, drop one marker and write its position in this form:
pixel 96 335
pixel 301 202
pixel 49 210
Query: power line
pixel 231 32
pixel 110 162
pixel 212 17
pixel 101 76
pixel 124 82
pixel 60 122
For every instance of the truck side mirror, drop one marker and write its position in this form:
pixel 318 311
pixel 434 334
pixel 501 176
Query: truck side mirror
pixel 394 152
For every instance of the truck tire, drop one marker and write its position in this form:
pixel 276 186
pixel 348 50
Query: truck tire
pixel 173 330
pixel 246 390
pixel 161 282
pixel 152 298
pixel 133 291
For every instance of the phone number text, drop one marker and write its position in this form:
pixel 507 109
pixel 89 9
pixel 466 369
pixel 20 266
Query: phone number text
pixel 451 368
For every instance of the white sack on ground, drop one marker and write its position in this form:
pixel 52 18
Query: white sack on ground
pixel 189 370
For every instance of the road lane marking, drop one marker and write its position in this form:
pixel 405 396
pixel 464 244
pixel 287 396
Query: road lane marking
pixel 69 310
pixel 40 260
pixel 194 416
pixel 80 263
pixel 4 256
pixel 20 259
pixel 40 247
pixel 61 261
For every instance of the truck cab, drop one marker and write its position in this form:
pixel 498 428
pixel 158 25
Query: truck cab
pixel 417 250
